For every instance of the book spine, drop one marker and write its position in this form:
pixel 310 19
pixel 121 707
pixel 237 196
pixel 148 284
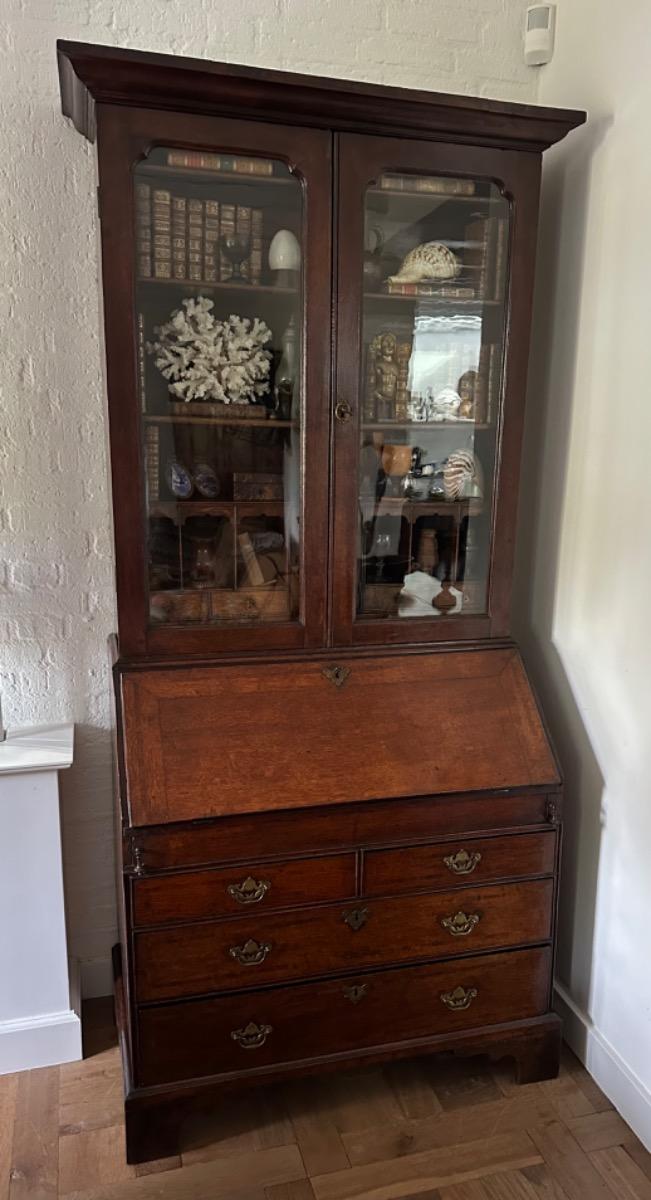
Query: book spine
pixel 256 246
pixel 196 219
pixel 432 185
pixel 143 230
pixel 481 385
pixel 220 162
pixel 494 382
pixel 420 289
pixel 152 463
pixel 226 229
pixel 141 361
pixel 243 226
pixel 211 241
pixel 179 238
pixel 501 256
pixel 162 233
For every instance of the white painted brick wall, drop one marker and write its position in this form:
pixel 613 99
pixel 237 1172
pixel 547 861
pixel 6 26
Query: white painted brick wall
pixel 56 574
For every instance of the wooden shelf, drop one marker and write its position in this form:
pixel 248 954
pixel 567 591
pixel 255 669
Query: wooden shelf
pixel 412 509
pixel 206 175
pixel 252 422
pixel 253 289
pixel 369 426
pixel 180 510
pixel 443 301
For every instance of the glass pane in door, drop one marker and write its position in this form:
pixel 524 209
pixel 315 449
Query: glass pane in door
pixel 218 243
pixel 434 287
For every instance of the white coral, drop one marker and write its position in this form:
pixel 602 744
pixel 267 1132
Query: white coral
pixel 207 359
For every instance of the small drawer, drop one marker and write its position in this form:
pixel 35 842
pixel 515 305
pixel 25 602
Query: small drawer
pixel 227 891
pixel 240 1033
pixel 449 864
pixel 218 956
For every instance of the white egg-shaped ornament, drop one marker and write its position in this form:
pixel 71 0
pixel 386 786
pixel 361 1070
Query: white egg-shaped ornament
pixel 430 260
pixel 285 257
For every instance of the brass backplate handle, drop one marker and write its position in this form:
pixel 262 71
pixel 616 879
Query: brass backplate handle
pixel 343 411
pixel 252 1036
pixel 461 924
pixel 336 675
pixel 460 998
pixel 462 863
pixel 355 918
pixel 251 953
pixel 249 891
pixel 356 992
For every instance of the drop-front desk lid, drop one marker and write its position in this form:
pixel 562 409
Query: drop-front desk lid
pixel 211 741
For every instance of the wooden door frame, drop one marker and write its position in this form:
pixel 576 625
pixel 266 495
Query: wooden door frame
pixel 125 136
pixel 360 161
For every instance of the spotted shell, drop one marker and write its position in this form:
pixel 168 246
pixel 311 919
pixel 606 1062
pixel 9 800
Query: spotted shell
pixel 431 260
pixel 462 475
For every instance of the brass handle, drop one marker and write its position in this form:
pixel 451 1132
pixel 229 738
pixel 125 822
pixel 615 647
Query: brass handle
pixel 461 924
pixel 251 953
pixel 343 411
pixel 356 992
pixel 249 891
pixel 460 998
pixel 355 918
pixel 462 863
pixel 252 1036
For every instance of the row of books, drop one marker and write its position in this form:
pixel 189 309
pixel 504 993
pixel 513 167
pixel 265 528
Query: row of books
pixel 487 256
pixel 433 185
pixel 180 237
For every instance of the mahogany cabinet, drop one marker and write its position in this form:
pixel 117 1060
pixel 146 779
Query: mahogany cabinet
pixel 338 809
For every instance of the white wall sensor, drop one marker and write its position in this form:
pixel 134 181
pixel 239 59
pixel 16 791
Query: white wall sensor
pixel 539 34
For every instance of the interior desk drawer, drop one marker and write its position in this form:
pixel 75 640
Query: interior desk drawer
pixel 193 895
pixel 469 860
pixel 219 956
pixel 240 1033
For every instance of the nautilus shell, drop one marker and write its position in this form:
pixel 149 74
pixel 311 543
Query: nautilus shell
pixel 431 260
pixel 462 476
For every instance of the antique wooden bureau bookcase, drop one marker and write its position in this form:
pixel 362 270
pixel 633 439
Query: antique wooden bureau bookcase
pixel 338 807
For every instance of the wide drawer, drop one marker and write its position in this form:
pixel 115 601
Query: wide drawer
pixel 256 950
pixel 194 895
pixel 443 864
pixel 236 1033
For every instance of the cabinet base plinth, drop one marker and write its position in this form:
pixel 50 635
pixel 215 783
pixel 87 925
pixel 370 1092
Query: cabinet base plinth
pixel 155 1115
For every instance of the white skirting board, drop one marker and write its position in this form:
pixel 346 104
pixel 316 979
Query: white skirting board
pixel 43 1040
pixel 621 1085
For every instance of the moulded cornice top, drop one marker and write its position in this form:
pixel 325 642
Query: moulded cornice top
pixel 91 75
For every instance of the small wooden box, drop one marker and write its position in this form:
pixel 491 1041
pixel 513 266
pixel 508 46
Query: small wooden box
pixel 252 485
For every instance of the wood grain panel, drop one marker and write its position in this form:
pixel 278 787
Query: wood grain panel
pixel 317 742
pixel 387 872
pixel 195 959
pixel 194 1038
pixel 193 895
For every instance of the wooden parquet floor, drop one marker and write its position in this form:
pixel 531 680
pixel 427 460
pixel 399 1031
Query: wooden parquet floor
pixel 439 1129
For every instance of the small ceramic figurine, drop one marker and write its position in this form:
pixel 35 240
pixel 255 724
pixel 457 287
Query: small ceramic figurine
pixel 466 389
pixel 386 378
pixel 431 260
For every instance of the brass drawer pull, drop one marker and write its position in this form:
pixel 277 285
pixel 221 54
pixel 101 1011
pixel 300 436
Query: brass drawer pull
pixel 356 992
pixel 249 891
pixel 461 924
pixel 460 998
pixel 251 953
pixel 462 863
pixel 252 1036
pixel 355 918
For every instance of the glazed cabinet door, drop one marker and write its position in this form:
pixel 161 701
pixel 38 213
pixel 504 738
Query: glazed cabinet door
pixel 435 267
pixel 216 268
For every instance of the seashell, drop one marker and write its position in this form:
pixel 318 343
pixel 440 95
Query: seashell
pixel 462 476
pixel 430 260
pixel 444 406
